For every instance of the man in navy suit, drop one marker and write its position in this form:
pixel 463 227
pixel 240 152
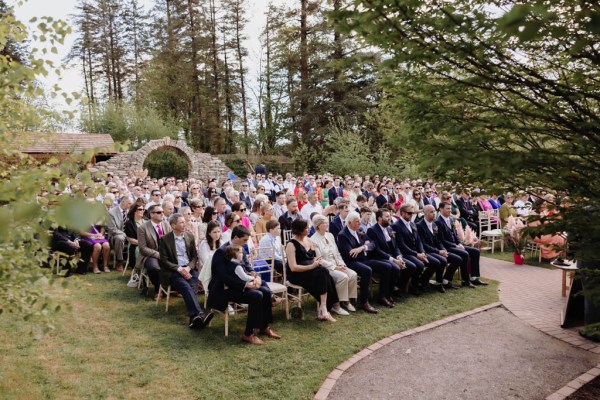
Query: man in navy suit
pixel 354 247
pixel 383 197
pixel 409 242
pixel 385 247
pixel 335 191
pixel 338 222
pixel 428 233
pixel 449 238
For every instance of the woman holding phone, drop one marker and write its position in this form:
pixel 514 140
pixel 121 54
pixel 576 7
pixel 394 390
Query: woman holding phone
pixel 303 269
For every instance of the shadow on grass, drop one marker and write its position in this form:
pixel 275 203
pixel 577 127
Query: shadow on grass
pixel 116 343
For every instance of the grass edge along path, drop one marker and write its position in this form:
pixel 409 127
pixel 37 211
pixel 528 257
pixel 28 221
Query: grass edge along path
pixel 116 344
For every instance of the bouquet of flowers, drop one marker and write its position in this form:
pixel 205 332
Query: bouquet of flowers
pixel 514 227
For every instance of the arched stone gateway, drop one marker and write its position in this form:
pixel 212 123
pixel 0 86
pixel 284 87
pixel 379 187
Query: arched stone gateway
pixel 201 165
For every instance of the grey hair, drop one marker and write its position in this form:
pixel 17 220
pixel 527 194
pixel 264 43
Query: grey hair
pixel 174 218
pixel 352 216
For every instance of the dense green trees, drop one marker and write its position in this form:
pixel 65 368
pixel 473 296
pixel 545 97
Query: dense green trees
pixel 492 95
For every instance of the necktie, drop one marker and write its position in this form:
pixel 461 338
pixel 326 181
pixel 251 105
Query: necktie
pixel 159 230
pixel 124 216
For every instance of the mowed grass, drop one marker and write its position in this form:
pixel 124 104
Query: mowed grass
pixel 508 256
pixel 116 344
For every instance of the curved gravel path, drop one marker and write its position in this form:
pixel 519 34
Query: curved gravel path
pixel 495 354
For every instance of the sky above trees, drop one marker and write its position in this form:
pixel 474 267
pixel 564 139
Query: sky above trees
pixel 71 79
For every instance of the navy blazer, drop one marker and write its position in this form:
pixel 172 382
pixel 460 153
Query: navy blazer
pixel 431 241
pixel 380 200
pixel 383 249
pixel 347 242
pixel 409 242
pixel 336 226
pixel 223 274
pixel 332 193
pixel 447 236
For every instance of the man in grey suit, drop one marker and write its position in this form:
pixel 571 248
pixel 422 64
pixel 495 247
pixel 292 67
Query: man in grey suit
pixel 115 224
pixel 178 259
pixel 148 235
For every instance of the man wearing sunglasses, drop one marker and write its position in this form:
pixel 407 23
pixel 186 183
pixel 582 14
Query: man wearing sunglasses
pixel 148 235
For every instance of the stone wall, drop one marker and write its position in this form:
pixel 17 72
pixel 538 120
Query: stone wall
pixel 202 165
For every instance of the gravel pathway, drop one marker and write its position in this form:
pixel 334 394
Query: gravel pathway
pixel 490 355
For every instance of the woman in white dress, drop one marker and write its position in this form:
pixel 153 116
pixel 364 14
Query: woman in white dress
pixel 345 279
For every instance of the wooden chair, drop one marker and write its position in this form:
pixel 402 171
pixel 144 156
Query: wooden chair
pixel 287 235
pixel 534 248
pixel 488 235
pixel 301 293
pixel 167 293
pixel 143 277
pixel 278 289
pixel 60 259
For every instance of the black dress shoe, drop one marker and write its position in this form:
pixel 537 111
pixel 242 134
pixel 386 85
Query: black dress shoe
pixel 207 318
pixel 197 322
pixel 384 302
pixel 415 291
pixel 391 300
pixel 449 285
pixel 477 282
pixel 369 308
pixel 440 288
pixel 468 284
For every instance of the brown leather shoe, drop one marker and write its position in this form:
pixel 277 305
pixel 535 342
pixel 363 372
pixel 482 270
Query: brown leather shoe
pixel 119 268
pixel 252 339
pixel 369 308
pixel 276 301
pixel 270 333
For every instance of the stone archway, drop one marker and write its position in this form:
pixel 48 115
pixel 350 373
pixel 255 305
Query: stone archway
pixel 201 165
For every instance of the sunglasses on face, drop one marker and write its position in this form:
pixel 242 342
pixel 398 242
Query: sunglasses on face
pixel 156 212
pixel 242 209
pixel 139 209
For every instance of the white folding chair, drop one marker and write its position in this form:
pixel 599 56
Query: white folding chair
pixel 167 293
pixel 488 236
pixel 267 254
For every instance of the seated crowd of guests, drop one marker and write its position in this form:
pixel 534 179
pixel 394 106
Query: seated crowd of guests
pixel 332 236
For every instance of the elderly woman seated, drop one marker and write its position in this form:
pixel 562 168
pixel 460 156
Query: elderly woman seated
pixel 345 279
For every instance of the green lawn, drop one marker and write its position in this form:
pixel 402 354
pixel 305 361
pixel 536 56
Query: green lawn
pixel 116 344
pixel 508 256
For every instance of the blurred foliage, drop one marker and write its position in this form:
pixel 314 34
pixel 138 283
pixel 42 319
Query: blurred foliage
pixel 503 96
pixel 125 122
pixel 27 218
pixel 162 163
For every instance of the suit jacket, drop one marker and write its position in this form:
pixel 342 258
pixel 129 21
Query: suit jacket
pixel 408 241
pixel 347 242
pixel 285 221
pixel 447 236
pixel 383 249
pixel 246 199
pixel 223 275
pixel 380 200
pixel 168 255
pixel 115 223
pixel 336 226
pixel 431 241
pixel 333 193
pixel 148 241
pixel 60 235
pixel 467 211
